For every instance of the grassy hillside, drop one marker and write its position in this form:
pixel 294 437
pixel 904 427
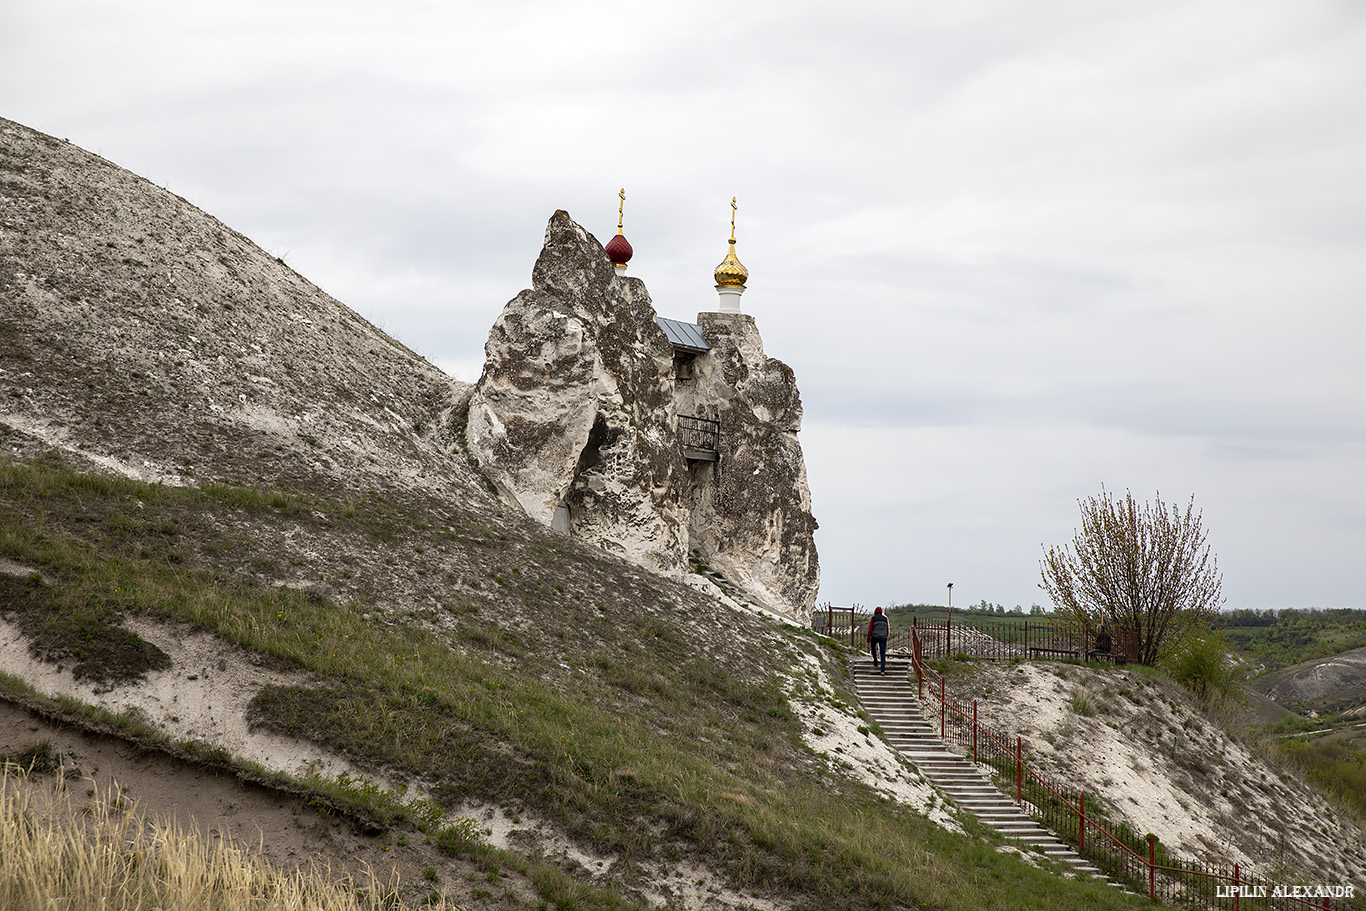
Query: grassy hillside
pixel 643 722
pixel 192 434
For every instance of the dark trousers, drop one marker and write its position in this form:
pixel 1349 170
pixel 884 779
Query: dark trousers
pixel 879 646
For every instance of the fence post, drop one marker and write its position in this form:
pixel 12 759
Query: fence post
pixel 974 732
pixel 919 658
pixel 1152 867
pixel 943 711
pixel 1019 772
pixel 1237 890
pixel 1081 825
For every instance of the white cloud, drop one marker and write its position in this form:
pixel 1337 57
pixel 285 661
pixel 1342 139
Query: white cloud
pixel 1013 249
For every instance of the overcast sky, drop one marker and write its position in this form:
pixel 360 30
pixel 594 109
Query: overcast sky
pixel 1014 251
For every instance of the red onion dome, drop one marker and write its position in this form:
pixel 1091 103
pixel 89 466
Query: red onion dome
pixel 619 250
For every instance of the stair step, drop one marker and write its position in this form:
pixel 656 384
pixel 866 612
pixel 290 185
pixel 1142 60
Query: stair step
pixel 891 701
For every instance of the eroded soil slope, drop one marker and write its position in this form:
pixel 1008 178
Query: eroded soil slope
pixel 1136 741
pixel 146 334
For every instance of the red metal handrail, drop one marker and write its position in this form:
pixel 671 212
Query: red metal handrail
pixel 1017 753
pixel 1110 841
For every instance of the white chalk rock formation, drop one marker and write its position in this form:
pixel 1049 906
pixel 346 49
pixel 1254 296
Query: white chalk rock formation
pixel 575 420
pixel 751 511
pixel 573 411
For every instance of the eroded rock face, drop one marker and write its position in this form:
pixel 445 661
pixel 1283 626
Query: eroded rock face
pixel 752 517
pixel 574 407
pixel 574 419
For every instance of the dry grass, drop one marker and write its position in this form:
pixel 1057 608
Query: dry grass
pixel 104 854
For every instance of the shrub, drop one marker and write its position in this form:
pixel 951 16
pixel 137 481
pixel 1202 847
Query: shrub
pixel 1202 666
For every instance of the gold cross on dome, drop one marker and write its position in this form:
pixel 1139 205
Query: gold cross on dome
pixel 733 208
pixel 621 209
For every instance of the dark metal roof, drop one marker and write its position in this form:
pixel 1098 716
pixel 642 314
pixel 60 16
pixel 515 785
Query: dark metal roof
pixel 686 336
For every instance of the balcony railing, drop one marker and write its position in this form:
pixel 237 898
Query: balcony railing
pixel 701 438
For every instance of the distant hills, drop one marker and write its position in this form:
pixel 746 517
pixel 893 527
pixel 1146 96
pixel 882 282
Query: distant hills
pixel 1336 684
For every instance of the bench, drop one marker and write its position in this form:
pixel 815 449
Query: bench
pixel 1116 657
pixel 1037 650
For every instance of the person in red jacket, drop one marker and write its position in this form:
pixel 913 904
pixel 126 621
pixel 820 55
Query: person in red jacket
pixel 879 629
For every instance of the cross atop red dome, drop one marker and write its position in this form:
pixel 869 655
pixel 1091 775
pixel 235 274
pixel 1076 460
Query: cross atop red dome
pixel 619 248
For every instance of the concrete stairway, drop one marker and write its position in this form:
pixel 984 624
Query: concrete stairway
pixel 891 701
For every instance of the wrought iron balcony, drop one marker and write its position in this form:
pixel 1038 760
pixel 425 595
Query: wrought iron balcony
pixel 701 438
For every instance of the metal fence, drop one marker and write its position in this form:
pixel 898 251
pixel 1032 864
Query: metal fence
pixel 1142 864
pixel 975 636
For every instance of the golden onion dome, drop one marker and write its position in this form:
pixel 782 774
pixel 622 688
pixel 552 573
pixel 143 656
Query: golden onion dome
pixel 731 272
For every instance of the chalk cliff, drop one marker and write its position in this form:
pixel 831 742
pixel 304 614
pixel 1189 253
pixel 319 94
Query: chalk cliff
pixel 750 513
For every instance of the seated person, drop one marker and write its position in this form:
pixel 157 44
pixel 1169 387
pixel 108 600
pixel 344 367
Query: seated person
pixel 1102 643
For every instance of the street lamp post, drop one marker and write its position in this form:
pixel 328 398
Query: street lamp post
pixel 948 625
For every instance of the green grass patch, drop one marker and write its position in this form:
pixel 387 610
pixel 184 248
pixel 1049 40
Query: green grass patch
pixel 37 757
pixel 82 629
pixel 1081 702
